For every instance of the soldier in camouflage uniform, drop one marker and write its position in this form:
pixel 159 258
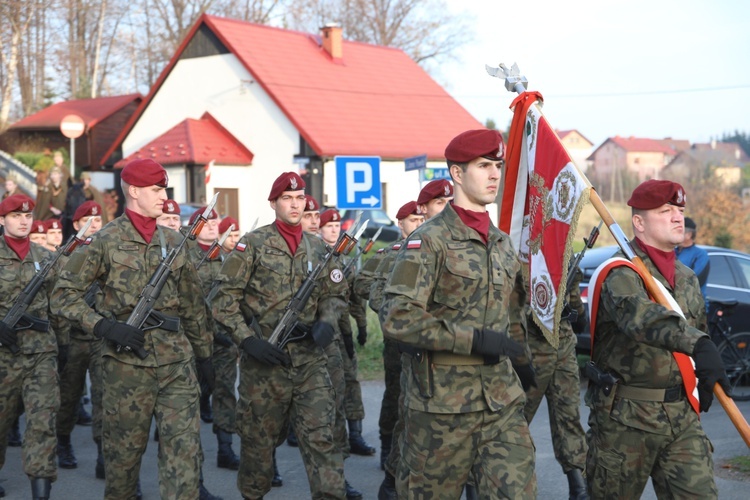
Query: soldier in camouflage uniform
pixel 289 383
pixel 647 424
pixel 122 257
pixel 170 216
pixel 31 375
pixel 84 354
pixel 448 297
pixel 557 379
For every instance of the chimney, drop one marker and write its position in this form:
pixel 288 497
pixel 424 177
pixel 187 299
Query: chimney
pixel 332 40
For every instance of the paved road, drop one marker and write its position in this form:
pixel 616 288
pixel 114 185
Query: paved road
pixel 363 472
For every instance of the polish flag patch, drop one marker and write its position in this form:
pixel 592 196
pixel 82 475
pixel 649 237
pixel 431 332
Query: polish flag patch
pixel 413 244
pixel 240 247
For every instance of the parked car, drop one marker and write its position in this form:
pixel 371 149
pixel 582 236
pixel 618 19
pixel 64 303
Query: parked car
pixel 728 279
pixel 378 218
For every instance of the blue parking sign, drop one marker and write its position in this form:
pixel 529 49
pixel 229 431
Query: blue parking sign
pixel 358 182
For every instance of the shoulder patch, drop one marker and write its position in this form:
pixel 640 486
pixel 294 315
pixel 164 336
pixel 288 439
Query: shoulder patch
pixel 87 241
pixel 396 246
pixel 240 247
pixel 337 276
pixel 380 250
pixel 414 244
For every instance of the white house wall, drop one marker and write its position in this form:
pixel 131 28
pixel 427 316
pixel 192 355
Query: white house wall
pixel 223 87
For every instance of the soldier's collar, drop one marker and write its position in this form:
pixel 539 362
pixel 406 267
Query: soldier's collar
pixel 461 232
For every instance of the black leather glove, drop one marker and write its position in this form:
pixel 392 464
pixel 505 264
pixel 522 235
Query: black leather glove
pixel 121 334
pixel 322 333
pixel 265 352
pixel 362 334
pixel 223 340
pixel 709 369
pixel 348 345
pixel 63 353
pixel 8 336
pixel 579 325
pixel 492 343
pixel 527 374
pixel 206 374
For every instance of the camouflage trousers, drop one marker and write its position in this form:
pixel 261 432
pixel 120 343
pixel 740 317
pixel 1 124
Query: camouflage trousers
pixel 132 396
pixel 335 366
pixel 389 408
pixel 391 464
pixel 224 400
pixel 439 451
pixel 270 398
pixel 558 380
pixel 33 379
pixel 83 355
pixel 353 407
pixel 622 457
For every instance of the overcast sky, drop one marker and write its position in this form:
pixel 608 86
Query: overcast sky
pixel 658 68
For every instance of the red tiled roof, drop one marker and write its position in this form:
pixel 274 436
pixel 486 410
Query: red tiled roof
pixel 91 110
pixel 375 100
pixel 562 133
pixel 195 142
pixel 634 144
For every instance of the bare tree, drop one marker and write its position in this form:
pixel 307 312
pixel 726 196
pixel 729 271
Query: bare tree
pixel 425 29
pixel 256 11
pixel 15 18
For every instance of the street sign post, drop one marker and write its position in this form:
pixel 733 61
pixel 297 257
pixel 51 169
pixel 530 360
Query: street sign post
pixel 72 126
pixel 415 163
pixel 432 174
pixel 358 182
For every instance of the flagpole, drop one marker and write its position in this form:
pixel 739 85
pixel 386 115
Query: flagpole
pixel 515 82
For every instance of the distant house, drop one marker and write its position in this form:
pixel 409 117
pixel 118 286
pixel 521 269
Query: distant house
pixel 287 100
pixel 103 117
pixel 644 158
pixel 578 146
pixel 724 160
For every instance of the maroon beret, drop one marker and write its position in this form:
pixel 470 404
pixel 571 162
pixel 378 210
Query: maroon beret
pixel 52 224
pixel 171 207
pixel 410 208
pixel 226 222
pixel 288 181
pixel 86 209
pixel 38 227
pixel 311 204
pixel 331 215
pixel 197 213
pixel 655 193
pixel 440 188
pixel 16 203
pixel 475 143
pixel 144 173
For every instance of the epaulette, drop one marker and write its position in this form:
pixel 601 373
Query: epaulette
pixel 413 244
pixel 240 247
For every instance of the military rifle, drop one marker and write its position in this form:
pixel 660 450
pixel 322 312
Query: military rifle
pixel 143 316
pixel 589 242
pixel 363 250
pixel 17 317
pixel 283 333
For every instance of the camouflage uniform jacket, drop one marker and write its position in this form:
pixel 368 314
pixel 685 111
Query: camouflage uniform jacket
pixel 259 278
pixel 635 337
pixel 14 276
pixel 366 275
pixel 208 271
pixel 445 283
pixel 120 260
pixel 381 274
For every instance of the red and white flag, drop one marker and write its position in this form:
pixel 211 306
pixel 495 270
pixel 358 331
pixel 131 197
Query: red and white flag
pixel 543 195
pixel 207 172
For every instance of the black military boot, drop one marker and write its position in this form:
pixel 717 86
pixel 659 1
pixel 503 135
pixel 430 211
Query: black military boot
pixel 66 459
pixel 84 418
pixel 2 492
pixel 204 494
pixel 277 480
pixel 576 485
pixel 357 444
pixel 14 435
pixel 207 414
pixel 471 492
pixel 40 487
pixel 99 470
pixel 351 493
pixel 385 449
pixel 225 458
pixel 138 491
pixel 291 438
pixel 387 489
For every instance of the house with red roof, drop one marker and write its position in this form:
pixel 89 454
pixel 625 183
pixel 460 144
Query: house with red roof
pixel 103 118
pixel 577 145
pixel 268 100
pixel 639 158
